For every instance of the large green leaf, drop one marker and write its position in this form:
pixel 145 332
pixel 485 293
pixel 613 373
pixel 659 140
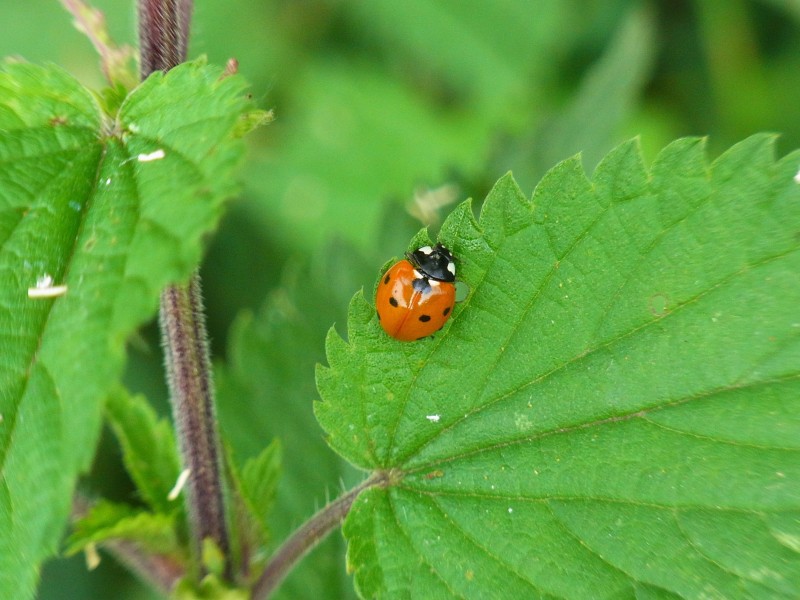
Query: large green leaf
pixel 112 207
pixel 613 411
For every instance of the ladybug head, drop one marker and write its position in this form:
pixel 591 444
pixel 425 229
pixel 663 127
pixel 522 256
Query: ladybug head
pixel 435 263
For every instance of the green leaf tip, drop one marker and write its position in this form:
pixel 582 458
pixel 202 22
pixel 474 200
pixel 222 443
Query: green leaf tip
pixel 148 449
pixel 621 382
pixel 256 485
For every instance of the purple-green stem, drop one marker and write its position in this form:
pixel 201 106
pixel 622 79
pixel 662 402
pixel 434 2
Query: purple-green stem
pixel 191 392
pixel 313 531
pixel 163 37
pixel 163 33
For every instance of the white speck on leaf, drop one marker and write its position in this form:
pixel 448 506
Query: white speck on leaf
pixel 797 177
pixel 179 484
pixel 433 418
pixel 44 288
pixel 155 155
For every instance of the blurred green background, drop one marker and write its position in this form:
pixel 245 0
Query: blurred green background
pixel 384 111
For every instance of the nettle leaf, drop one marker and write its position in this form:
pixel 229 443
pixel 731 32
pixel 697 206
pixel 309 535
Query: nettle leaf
pixel 148 447
pixel 252 497
pixel 107 521
pixel 113 207
pixel 259 482
pixel 613 411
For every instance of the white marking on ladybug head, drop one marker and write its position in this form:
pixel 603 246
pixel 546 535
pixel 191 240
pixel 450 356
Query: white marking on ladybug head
pixel 417 274
pixel 426 250
pixel 451 266
pixel 434 283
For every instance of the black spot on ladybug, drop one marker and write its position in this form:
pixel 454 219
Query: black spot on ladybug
pixel 421 285
pixel 386 279
pixel 424 318
pixel 446 311
pixel 393 301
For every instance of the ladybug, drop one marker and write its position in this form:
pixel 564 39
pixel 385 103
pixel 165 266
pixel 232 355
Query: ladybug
pixel 416 295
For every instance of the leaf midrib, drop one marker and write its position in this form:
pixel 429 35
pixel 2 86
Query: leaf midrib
pixel 11 420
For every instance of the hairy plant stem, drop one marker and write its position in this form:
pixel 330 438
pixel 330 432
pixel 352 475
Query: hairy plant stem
pixel 189 376
pixel 163 38
pixel 304 539
pixel 163 33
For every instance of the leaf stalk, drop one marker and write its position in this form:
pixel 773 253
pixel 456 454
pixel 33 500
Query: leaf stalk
pixel 163 33
pixel 311 533
pixel 163 38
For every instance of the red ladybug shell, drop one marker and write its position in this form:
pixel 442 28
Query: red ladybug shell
pixel 412 304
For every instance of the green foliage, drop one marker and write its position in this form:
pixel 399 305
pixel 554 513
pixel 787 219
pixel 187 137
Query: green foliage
pixel 266 391
pixel 613 407
pixel 148 448
pixel 252 497
pixel 112 207
pixel 260 481
pixel 591 121
pixel 210 588
pixel 373 100
pixel 107 521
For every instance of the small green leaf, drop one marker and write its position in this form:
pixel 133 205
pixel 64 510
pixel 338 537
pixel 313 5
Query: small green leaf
pixel 213 559
pixel 614 408
pixel 211 588
pixel 99 212
pixel 148 448
pixel 107 521
pixel 252 498
pixel 260 482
